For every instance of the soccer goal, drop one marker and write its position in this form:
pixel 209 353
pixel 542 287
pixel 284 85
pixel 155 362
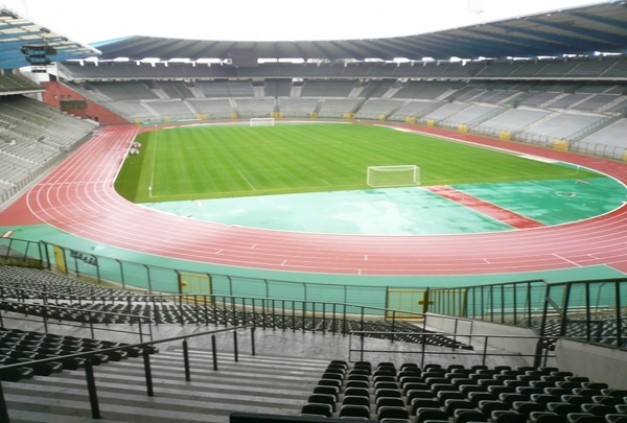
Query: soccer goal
pixel 261 122
pixel 393 176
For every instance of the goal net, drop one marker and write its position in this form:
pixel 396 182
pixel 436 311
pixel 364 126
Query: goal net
pixel 393 176
pixel 261 122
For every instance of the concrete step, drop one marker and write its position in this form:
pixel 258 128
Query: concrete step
pixel 259 384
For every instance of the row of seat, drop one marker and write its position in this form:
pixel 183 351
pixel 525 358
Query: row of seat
pixel 18 346
pixel 114 303
pixel 460 395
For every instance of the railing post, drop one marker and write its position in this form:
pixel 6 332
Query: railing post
pixel 235 349
pixel 188 376
pixel 252 340
pixel 361 348
pixel 91 388
pixel 273 315
pixel 148 279
pixel 344 321
pixel 214 352
pixel 283 314
pixel 485 350
pixel 149 388
pixel 4 413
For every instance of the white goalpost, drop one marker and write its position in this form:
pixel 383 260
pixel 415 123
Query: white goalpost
pixel 393 176
pixel 261 121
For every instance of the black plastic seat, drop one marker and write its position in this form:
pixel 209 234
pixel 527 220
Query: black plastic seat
pixel 503 416
pixel 527 407
pixel 584 418
pixel 390 393
pixel 444 396
pixel 616 418
pixel 389 402
pixel 423 403
pixel 392 412
pixel 316 409
pixel 329 390
pixel 597 409
pixel 544 398
pixel 384 378
pixel 430 413
pixel 463 415
pixel 575 399
pixel 607 400
pixel 355 411
pixel 385 385
pixel 455 404
pixel 563 408
pixel 476 397
pixel 488 406
pixel 358 392
pixel 414 394
pixel 322 399
pixel 357 384
pixel 406 387
pixel 546 417
pixel 511 398
pixel 330 382
pixel 356 400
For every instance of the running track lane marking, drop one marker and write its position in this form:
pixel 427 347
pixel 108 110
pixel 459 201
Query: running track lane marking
pixel 509 217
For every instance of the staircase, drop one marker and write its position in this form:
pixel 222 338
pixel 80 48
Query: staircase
pixel 259 384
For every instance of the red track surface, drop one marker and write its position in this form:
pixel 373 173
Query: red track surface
pixel 78 197
pixel 514 220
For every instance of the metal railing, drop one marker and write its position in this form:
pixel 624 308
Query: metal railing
pixel 79 318
pixel 540 354
pixel 276 313
pixel 584 310
pixel 517 303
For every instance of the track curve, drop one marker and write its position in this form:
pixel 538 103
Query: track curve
pixel 78 197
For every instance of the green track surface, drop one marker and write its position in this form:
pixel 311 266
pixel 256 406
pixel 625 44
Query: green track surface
pixel 230 161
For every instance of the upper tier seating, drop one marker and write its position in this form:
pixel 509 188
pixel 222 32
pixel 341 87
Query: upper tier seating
pixel 32 136
pixel 11 83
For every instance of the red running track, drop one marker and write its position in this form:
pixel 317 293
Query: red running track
pixel 78 197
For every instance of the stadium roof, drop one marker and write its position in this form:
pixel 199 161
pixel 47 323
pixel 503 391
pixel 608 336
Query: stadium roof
pixel 578 31
pixel 22 40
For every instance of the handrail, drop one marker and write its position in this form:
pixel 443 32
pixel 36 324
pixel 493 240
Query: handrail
pixel 89 376
pixel 541 354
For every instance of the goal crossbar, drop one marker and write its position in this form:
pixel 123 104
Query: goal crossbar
pixel 261 121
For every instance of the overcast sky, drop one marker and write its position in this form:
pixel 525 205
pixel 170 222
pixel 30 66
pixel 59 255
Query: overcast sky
pixel 90 21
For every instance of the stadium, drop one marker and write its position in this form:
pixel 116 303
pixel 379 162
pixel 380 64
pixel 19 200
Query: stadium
pixel 416 228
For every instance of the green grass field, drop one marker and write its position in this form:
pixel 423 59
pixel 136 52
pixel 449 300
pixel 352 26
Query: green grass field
pixel 228 161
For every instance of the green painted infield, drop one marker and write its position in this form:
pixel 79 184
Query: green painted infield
pixel 409 210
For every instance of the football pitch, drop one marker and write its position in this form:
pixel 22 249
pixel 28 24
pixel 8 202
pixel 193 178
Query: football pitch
pixel 217 161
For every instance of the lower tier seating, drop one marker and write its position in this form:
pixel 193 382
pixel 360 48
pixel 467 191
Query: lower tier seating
pixel 456 394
